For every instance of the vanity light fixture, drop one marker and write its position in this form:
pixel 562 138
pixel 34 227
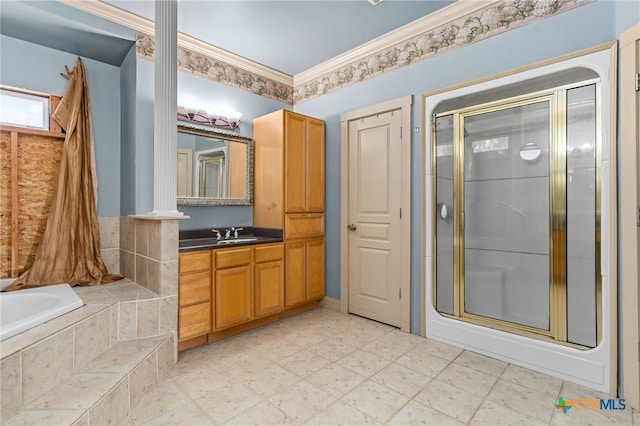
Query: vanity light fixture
pixel 375 2
pixel 223 119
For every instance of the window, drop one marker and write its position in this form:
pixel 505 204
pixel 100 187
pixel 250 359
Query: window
pixel 24 110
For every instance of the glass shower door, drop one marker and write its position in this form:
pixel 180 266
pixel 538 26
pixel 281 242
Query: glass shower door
pixel 506 185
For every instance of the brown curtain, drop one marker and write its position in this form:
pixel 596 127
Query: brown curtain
pixel 69 251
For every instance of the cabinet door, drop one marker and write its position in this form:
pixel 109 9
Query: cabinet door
pixel 233 304
pixel 315 269
pixel 194 288
pixel 269 287
pixel 315 166
pixel 295 163
pixel 194 321
pixel 295 285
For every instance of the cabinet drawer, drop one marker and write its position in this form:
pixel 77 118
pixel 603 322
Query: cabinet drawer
pixel 195 261
pixel 194 321
pixel 194 288
pixel 304 225
pixel 269 253
pixel 231 258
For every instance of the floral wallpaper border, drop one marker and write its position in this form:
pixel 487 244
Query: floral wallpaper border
pixel 495 19
pixel 218 71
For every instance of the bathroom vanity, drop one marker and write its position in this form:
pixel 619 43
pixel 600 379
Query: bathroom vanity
pixel 230 282
pixel 229 286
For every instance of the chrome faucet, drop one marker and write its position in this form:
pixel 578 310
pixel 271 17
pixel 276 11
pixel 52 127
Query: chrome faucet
pixel 227 233
pixel 235 232
pixel 218 234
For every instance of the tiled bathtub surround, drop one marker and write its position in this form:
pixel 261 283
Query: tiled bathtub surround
pixel 149 253
pixel 110 243
pixel 43 367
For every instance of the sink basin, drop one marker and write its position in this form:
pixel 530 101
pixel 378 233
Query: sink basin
pixel 237 240
pixel 213 242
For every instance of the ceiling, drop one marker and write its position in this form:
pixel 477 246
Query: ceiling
pixel 288 36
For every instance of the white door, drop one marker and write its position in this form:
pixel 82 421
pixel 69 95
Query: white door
pixel 374 230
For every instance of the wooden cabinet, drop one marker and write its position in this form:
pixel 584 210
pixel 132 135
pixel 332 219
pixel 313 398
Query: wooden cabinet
pixel 289 195
pixel 304 271
pixel 303 160
pixel 224 291
pixel 288 167
pixel 268 280
pixel 233 287
pixel 194 294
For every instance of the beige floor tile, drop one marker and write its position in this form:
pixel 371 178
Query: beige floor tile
pixel 262 414
pixel 44 417
pixel 201 381
pixel 492 414
pixel 163 399
pixel 439 349
pixel 245 365
pixel 528 401
pixel 302 401
pixel 452 401
pixel 387 348
pixel 415 413
pixel 422 362
pixel 304 363
pixel 467 379
pixel 333 349
pixel 270 381
pixel 341 414
pixel 482 363
pixel 335 379
pixel 363 363
pixel 187 414
pixel 401 379
pixel 532 379
pixel 226 402
pixel 375 400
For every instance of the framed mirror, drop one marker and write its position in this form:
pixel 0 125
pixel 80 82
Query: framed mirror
pixel 214 168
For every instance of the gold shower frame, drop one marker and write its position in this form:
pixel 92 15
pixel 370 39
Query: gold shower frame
pixel 556 97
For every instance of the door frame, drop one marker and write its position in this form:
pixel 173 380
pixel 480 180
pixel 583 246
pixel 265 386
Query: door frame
pixel 404 105
pixel 629 187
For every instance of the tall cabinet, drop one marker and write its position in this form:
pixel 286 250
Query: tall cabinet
pixel 289 195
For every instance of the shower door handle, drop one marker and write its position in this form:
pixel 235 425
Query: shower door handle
pixel 444 211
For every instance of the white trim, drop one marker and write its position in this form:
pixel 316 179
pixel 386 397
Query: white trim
pixel 144 25
pixel 629 197
pixel 404 105
pixel 454 11
pixel 449 13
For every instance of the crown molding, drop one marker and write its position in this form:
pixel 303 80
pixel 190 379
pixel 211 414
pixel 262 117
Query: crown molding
pixel 146 26
pixel 459 9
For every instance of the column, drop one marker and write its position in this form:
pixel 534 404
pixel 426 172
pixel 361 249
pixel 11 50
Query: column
pixel 165 106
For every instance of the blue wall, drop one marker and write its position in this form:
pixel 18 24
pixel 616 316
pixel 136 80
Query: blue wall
pixel 203 93
pixel 38 68
pixel 580 28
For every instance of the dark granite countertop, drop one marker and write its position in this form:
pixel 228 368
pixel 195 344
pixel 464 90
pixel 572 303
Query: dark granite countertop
pixel 206 239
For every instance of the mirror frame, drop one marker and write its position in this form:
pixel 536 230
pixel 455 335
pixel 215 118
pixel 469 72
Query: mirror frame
pixel 203 201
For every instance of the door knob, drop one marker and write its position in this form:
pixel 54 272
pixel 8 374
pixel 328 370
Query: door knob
pixel 351 227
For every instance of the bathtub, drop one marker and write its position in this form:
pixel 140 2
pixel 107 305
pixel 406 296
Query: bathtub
pixel 24 309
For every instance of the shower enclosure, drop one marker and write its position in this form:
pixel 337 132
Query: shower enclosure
pixel 517 220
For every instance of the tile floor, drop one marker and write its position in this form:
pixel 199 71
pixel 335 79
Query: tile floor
pixel 325 368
